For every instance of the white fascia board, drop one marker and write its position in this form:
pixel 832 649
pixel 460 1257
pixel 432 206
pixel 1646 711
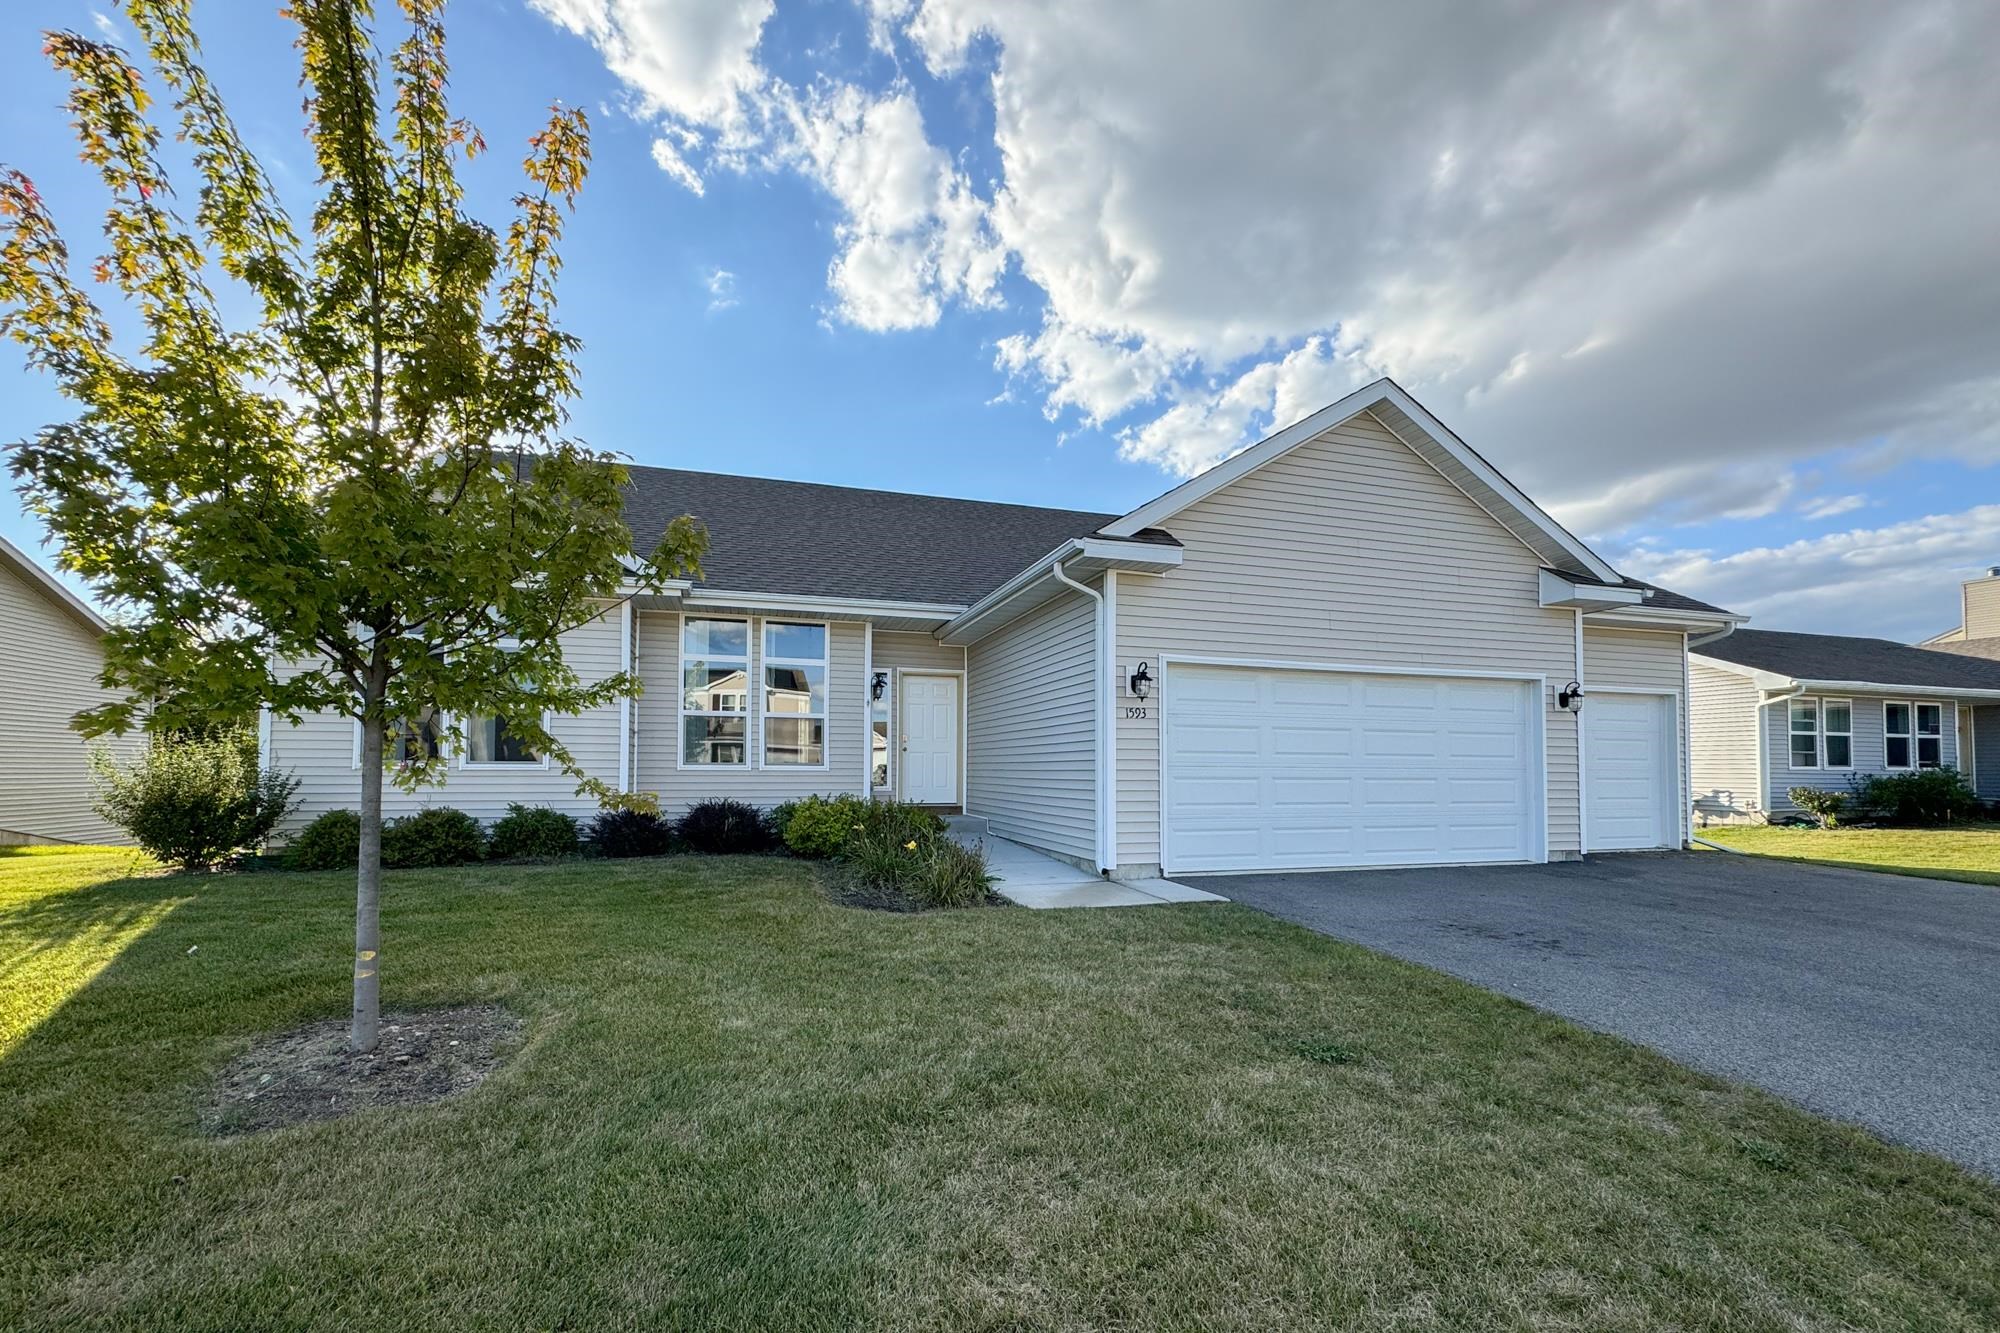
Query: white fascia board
pixel 836 607
pixel 1765 680
pixel 1147 557
pixel 1157 511
pixel 1923 693
pixel 1660 617
pixel 53 587
pixel 1560 591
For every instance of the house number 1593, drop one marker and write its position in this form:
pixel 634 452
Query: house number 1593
pixel 1138 712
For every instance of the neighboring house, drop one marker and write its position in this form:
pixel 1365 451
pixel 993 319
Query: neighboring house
pixel 51 656
pixel 1977 633
pixel 1347 646
pixel 1774 711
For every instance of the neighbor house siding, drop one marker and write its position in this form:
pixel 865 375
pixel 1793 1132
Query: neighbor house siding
pixel 49 666
pixel 659 667
pixel 1986 750
pixel 1349 550
pixel 1870 752
pixel 896 652
pixel 1031 730
pixel 1651 661
pixel 320 751
pixel 1723 767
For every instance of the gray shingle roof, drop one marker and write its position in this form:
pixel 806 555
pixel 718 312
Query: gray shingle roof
pixel 809 539
pixel 1986 648
pixel 1840 657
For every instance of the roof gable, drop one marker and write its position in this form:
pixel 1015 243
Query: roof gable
pixel 1423 435
pixel 50 587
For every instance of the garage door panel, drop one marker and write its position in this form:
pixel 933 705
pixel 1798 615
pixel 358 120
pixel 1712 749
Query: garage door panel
pixel 1287 769
pixel 1630 777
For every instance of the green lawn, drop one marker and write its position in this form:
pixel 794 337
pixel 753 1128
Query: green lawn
pixel 737 1106
pixel 1968 852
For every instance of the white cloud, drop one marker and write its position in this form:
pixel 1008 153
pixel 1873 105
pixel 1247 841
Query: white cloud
pixel 721 285
pixel 1832 506
pixel 1899 581
pixel 105 24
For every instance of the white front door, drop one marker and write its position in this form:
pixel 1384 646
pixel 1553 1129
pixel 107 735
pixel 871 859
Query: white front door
pixel 930 739
pixel 1628 755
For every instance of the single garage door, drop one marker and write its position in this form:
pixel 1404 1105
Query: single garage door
pixel 1269 769
pixel 1629 772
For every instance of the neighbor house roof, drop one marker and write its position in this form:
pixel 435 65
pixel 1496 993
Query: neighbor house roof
pixel 1845 659
pixel 808 539
pixel 1986 648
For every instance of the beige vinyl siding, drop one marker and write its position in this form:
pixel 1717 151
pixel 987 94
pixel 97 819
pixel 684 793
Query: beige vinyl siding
pixel 320 751
pixel 1870 746
pixel 1982 609
pixel 1723 707
pixel 1349 550
pixel 895 652
pixel 49 665
pixel 1649 660
pixel 658 663
pixel 1031 729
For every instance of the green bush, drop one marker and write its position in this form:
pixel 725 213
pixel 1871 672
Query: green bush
pixel 533 833
pixel 1925 798
pixel 435 836
pixel 721 827
pixel 928 867
pixel 1823 806
pixel 194 802
pixel 626 833
pixel 330 842
pixel 819 826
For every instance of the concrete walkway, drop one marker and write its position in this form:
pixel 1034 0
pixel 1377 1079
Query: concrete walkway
pixel 1032 879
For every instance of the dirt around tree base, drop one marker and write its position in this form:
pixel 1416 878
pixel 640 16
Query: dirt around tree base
pixel 309 1075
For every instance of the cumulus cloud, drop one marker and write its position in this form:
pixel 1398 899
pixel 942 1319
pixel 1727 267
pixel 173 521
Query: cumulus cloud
pixel 1832 506
pixel 721 285
pixel 1649 258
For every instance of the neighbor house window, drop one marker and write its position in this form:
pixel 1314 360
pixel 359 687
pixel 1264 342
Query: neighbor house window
pixel 489 740
pixel 1837 733
pixel 1895 735
pixel 417 739
pixel 715 691
pixel 1930 735
pixel 794 694
pixel 1805 733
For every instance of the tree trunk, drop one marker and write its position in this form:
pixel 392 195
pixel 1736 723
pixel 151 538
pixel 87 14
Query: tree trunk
pixel 363 1032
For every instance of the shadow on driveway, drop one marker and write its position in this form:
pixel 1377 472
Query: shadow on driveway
pixel 1869 998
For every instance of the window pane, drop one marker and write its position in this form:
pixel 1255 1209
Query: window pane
pixel 1896 719
pixel 1839 717
pixel 1805 752
pixel 492 743
pixel 411 742
pixel 794 740
pixel 878 750
pixel 1839 750
pixel 715 638
pixel 1805 716
pixel 713 687
pixel 1899 752
pixel 1930 720
pixel 713 740
pixel 1930 752
pixel 791 689
pixel 787 640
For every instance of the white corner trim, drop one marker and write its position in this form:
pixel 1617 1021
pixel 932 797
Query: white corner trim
pixel 1582 748
pixel 1110 720
pixel 1100 655
pixel 626 620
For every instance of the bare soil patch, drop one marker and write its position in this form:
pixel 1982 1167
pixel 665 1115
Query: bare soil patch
pixel 309 1075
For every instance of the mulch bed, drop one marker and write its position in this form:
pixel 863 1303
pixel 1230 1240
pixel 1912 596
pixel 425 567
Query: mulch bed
pixel 309 1075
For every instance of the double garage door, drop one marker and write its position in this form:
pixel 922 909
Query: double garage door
pixel 1276 769
pixel 1268 769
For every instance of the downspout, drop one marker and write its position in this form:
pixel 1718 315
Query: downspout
pixel 1764 746
pixel 1100 658
pixel 625 699
pixel 1582 757
pixel 1716 637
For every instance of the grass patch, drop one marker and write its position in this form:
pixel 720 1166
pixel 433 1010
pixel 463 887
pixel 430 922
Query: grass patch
pixel 1966 852
pixel 737 1105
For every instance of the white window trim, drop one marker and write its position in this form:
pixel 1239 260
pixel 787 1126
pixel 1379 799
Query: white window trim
pixel 823 716
pixel 1825 731
pixel 751 636
pixel 1917 735
pixel 444 741
pixel 1792 730
pixel 1888 735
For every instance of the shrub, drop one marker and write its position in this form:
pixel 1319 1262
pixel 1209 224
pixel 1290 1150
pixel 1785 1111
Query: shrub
pixel 1823 806
pixel 929 868
pixel 820 826
pixel 723 827
pixel 533 833
pixel 1926 797
pixel 625 833
pixel 194 802
pixel 436 836
pixel 330 842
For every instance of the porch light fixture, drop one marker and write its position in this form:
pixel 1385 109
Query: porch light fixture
pixel 879 686
pixel 1141 683
pixel 1571 698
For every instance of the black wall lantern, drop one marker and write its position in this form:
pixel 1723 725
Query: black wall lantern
pixel 878 686
pixel 1141 683
pixel 1571 697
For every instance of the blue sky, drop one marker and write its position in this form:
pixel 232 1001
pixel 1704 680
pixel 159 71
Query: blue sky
pixel 1664 269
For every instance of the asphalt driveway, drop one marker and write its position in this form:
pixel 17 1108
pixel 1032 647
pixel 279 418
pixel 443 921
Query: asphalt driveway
pixel 1869 998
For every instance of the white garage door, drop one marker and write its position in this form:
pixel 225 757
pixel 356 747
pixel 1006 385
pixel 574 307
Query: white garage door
pixel 1287 770
pixel 1629 772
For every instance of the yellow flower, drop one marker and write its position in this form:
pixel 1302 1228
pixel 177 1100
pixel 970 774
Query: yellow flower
pixel 910 846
